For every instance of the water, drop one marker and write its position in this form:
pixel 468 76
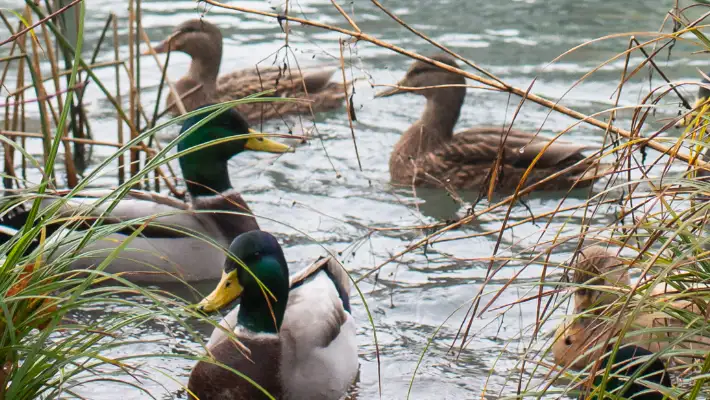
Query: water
pixel 315 201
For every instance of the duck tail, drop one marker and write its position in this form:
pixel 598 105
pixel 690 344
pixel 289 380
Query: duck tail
pixel 335 271
pixel 596 172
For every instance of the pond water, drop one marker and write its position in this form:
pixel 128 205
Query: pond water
pixel 318 198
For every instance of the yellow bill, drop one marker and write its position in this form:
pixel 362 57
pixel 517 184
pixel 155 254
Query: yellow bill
pixel 227 290
pixel 266 145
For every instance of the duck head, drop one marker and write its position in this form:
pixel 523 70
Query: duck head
pixel 421 76
pixel 205 170
pixel 597 266
pixel 257 273
pixel 195 37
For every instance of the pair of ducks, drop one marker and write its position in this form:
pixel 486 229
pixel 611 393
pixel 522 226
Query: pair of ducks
pixel 298 331
pixel 428 154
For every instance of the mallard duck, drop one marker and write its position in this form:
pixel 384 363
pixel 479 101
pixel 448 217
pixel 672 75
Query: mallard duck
pixel 597 266
pixel 626 362
pixel 176 243
pixel 430 154
pixel 202 41
pixel 299 337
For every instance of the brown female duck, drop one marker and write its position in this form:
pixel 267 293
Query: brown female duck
pixel 202 41
pixel 604 281
pixel 430 154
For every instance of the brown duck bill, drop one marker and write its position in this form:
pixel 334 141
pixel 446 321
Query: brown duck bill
pixel 162 47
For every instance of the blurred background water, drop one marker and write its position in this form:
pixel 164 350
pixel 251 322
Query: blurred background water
pixel 318 199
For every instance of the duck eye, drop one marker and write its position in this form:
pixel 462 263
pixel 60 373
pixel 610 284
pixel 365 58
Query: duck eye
pixel 568 341
pixel 228 284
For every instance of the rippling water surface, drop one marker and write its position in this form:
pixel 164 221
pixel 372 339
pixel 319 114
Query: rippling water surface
pixel 319 199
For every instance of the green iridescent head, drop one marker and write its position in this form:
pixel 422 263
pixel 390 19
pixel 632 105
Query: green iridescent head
pixel 262 286
pixel 205 170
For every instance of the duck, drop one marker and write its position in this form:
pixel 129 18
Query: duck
pixel 598 267
pixel 624 364
pixel 295 338
pixel 202 41
pixel 184 239
pixel 430 154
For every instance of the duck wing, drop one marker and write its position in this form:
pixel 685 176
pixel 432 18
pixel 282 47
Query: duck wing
pixel 318 344
pixel 465 161
pixel 482 145
pixel 168 217
pixel 340 280
pixel 315 86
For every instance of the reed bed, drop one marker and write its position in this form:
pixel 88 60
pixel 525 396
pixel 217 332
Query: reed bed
pixel 658 194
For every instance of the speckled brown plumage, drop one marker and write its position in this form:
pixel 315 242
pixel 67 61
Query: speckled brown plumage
pixel 203 42
pixel 213 382
pixel 430 154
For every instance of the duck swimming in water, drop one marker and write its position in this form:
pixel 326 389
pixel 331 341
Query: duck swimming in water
pixel 299 333
pixel 430 154
pixel 202 41
pixel 183 239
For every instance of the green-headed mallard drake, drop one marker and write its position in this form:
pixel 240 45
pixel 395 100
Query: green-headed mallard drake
pixel 202 41
pixel 172 242
pixel 430 154
pixel 592 325
pixel 300 335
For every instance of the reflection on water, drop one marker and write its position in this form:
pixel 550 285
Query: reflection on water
pixel 313 200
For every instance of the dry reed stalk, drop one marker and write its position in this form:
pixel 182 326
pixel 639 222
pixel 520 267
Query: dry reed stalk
pixel 11 57
pixel 50 96
pixel 345 15
pixel 178 99
pixel 133 115
pixel 39 88
pixel 55 70
pixel 8 159
pixel 72 179
pixel 67 139
pixel 348 101
pixel 23 29
pixel 67 72
pixel 137 76
pixel 490 82
pixel 119 122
